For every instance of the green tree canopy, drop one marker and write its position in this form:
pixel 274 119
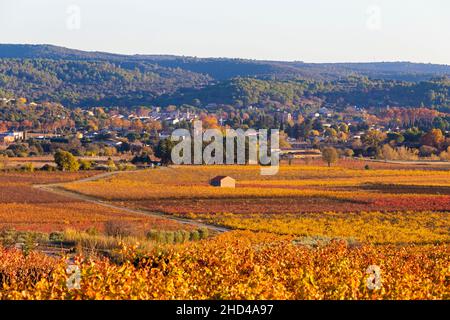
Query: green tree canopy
pixel 66 161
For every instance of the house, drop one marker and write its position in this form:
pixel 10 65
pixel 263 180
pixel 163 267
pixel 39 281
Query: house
pixel 223 182
pixel 7 139
pixel 11 137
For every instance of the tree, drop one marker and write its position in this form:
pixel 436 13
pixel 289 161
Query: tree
pixel 85 164
pixel 283 140
pixel 3 162
pixel 445 155
pixel 343 127
pixel 349 153
pixel 433 138
pixel 317 125
pixel 329 155
pixel 111 164
pixel 330 132
pixel 427 151
pixel 66 161
pixel 164 150
pixel 388 153
pixel 413 134
pixel 143 158
pixel 373 138
pixel 395 138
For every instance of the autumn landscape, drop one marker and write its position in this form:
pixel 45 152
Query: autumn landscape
pixel 224 159
pixel 165 233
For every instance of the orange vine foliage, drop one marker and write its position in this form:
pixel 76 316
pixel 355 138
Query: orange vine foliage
pixel 240 265
pixel 368 227
pixel 24 207
pixel 296 189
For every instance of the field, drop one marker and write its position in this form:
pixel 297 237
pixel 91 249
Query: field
pixel 24 207
pixel 296 189
pixel 238 265
pixel 310 232
pixel 365 227
pixel 384 206
pixel 40 161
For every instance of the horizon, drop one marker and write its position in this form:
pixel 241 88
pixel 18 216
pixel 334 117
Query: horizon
pixel 221 57
pixel 351 31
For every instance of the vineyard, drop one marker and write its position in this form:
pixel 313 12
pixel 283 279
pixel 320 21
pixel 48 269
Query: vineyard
pixel 237 265
pixel 366 227
pixel 296 189
pixel 23 207
pixel 310 232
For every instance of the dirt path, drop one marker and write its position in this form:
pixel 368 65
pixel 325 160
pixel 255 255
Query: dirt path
pixel 57 188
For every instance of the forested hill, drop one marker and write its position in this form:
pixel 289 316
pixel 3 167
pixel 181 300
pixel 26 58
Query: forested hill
pixel 359 91
pixel 224 68
pixel 79 78
pixel 92 83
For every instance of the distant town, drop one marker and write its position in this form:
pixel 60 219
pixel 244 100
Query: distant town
pixel 138 135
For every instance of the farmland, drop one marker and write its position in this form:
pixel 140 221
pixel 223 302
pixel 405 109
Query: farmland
pixel 238 265
pixel 24 207
pixel 313 229
pixel 368 227
pixel 296 189
pixel 383 206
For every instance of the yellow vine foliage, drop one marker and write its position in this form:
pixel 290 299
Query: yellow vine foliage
pixel 187 182
pixel 369 227
pixel 241 265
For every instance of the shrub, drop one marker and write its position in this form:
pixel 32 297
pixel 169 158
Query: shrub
pixel 349 153
pixel 445 155
pixel 85 164
pixel 28 244
pixel 152 235
pixel 427 151
pixel 3 162
pixel 117 229
pixel 92 231
pixel 407 154
pixel 56 236
pixel 47 167
pixel 111 165
pixel 160 237
pixel 28 167
pixel 179 237
pixel 157 236
pixel 388 153
pixel 195 236
pixel 203 233
pixel 8 237
pixel 170 237
pixel 126 167
pixel 186 235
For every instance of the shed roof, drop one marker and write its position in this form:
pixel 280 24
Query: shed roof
pixel 220 178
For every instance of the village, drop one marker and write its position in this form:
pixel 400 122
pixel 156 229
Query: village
pixel 122 134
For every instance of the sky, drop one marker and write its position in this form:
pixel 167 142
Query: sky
pixel 291 30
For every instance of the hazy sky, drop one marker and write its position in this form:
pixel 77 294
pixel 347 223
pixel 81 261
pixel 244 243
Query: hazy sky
pixel 307 30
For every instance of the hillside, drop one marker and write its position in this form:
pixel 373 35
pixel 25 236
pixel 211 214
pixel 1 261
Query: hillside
pixel 359 91
pixel 87 83
pixel 225 68
pixel 80 78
